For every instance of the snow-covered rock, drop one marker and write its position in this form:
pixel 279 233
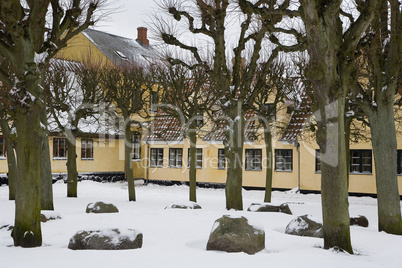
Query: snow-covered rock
pixel 236 234
pixel 107 239
pixel 47 215
pixel 359 221
pixel 101 207
pixel 268 207
pixel 183 205
pixel 305 225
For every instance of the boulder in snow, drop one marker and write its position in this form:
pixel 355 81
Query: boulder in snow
pixel 184 205
pixel 268 207
pixel 7 227
pixel 305 226
pixel 108 239
pixel 236 234
pixel 100 207
pixel 47 215
pixel 359 221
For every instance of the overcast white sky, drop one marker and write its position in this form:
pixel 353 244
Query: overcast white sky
pixel 130 15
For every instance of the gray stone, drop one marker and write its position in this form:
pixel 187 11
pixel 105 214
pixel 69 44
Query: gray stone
pixel 48 215
pixel 108 239
pixel 186 205
pixel 236 235
pixel 305 226
pixel 100 207
pixel 267 207
pixel 359 221
pixel 7 227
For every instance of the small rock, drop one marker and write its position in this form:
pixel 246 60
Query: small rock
pixel 359 221
pixel 108 239
pixel 7 227
pixel 186 205
pixel 268 207
pixel 100 207
pixel 305 226
pixel 47 215
pixel 236 235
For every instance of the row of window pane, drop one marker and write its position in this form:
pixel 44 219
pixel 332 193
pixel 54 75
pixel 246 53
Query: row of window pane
pixel 360 161
pixel 60 148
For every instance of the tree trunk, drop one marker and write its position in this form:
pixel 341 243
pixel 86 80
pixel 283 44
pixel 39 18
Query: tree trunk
pixel 11 160
pixel 72 173
pixel 27 227
pixel 234 155
pixel 46 169
pixel 334 182
pixel 193 165
pixel 383 137
pixel 128 163
pixel 269 164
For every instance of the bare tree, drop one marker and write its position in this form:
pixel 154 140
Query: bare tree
pixel 32 32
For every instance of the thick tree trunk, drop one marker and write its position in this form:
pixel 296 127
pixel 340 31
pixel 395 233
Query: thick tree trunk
pixel 269 164
pixel 334 174
pixel 193 165
pixel 128 163
pixel 234 155
pixel 11 160
pixel 27 227
pixel 383 137
pixel 46 169
pixel 72 173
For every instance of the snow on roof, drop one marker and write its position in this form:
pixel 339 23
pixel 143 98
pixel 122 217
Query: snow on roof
pixel 165 128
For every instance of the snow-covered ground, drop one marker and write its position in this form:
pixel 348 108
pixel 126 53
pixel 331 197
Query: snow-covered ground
pixel 178 238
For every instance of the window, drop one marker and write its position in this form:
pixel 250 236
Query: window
pixel 317 161
pixel 199 121
pixel 270 110
pixel 2 147
pixel 175 157
pixel 360 161
pixel 399 162
pixel 87 149
pixel 136 145
pixel 199 157
pixel 221 159
pixel 253 159
pixel 59 148
pixel 283 160
pixel 156 157
pixel 154 100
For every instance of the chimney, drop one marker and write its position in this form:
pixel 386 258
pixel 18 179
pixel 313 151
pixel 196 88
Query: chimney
pixel 142 36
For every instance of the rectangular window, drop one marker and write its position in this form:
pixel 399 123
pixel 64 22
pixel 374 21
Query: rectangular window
pixel 59 148
pixel 199 121
pixel 317 161
pixel 399 162
pixel 270 111
pixel 156 157
pixel 175 157
pixel 199 157
pixel 253 159
pixel 154 100
pixel 2 147
pixel 360 162
pixel 221 159
pixel 87 149
pixel 283 160
pixel 136 145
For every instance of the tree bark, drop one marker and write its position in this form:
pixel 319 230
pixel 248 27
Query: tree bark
pixel 128 162
pixel 269 164
pixel 46 169
pixel 234 154
pixel 72 173
pixel 11 160
pixel 27 226
pixel 193 165
pixel 383 137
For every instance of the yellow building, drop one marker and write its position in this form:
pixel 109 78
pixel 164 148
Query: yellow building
pixel 162 155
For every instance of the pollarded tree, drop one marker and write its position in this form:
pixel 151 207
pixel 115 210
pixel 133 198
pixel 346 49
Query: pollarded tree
pixel 231 65
pixel 31 33
pixel 129 88
pixel 188 95
pixel 374 84
pixel 75 101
